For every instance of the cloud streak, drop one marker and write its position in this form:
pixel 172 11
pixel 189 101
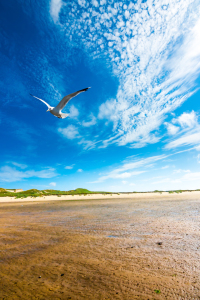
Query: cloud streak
pixel 156 63
pixel 128 168
pixel 188 139
pixel 10 174
pixel 70 132
pixel 55 7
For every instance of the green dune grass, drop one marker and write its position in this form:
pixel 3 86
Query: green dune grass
pixel 40 193
pixel 80 191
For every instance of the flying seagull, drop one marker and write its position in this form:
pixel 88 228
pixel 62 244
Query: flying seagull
pixel 56 111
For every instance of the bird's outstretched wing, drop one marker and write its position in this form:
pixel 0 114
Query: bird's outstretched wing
pixel 66 99
pixel 41 100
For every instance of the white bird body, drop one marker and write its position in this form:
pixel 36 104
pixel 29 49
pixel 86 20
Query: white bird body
pixel 57 111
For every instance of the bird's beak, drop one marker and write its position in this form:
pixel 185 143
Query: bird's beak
pixel 48 110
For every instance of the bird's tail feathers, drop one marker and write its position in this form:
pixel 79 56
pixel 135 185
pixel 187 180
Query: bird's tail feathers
pixel 63 116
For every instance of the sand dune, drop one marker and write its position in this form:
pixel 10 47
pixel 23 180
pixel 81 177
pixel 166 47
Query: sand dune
pixel 151 195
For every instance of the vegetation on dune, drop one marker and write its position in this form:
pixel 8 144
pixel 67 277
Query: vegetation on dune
pixel 41 193
pixel 178 191
pixel 156 191
pixel 80 191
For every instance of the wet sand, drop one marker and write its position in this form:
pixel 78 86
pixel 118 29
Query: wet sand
pixel 101 249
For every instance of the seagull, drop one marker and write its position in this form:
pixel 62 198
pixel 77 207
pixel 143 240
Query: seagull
pixel 56 111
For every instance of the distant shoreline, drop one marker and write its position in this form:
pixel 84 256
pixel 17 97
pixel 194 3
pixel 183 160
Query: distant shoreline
pixel 143 195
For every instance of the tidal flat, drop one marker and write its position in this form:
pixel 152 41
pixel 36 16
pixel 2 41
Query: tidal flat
pixel 101 249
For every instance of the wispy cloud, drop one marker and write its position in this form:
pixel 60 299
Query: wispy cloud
pixel 128 168
pixel 188 176
pixel 197 148
pixel 165 167
pixel 191 176
pixel 172 129
pixel 82 3
pixel 21 166
pixel 186 120
pixel 52 184
pixel 187 131
pixel 91 122
pixel 10 174
pixel 95 3
pixel 188 139
pixel 79 170
pixel 156 63
pixel 70 132
pixel 55 7
pixel 180 171
pixel 69 167
pixel 73 112
pixel 107 110
pixel 87 144
pixel 124 181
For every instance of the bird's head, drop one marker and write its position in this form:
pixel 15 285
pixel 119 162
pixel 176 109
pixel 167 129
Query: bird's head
pixel 49 109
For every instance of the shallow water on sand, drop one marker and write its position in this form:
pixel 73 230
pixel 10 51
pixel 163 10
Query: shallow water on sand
pixel 106 249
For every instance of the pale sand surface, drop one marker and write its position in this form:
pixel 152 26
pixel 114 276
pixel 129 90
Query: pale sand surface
pixel 158 195
pixel 106 249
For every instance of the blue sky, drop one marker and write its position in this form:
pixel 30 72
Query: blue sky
pixel 136 129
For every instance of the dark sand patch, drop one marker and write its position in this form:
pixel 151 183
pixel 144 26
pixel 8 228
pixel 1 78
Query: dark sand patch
pixel 109 249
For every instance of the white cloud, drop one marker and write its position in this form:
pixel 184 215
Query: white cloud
pixel 91 122
pixel 181 171
pixel 126 14
pixel 52 184
pixel 165 167
pixel 95 3
pixel 114 175
pixel 80 170
pixel 171 128
pixel 189 130
pixel 124 181
pixel 156 63
pixel 187 139
pixel 69 167
pixel 82 3
pixel 197 148
pixel 188 176
pixel 87 144
pixel 110 140
pixel 73 112
pixel 132 184
pixel 10 174
pixel 186 120
pixel 21 166
pixel 192 176
pixel 198 158
pixel 184 180
pixel 128 168
pixel 107 110
pixel 55 7
pixel 70 132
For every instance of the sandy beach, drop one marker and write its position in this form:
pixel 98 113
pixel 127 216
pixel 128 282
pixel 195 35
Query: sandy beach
pixel 127 246
pixel 150 195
